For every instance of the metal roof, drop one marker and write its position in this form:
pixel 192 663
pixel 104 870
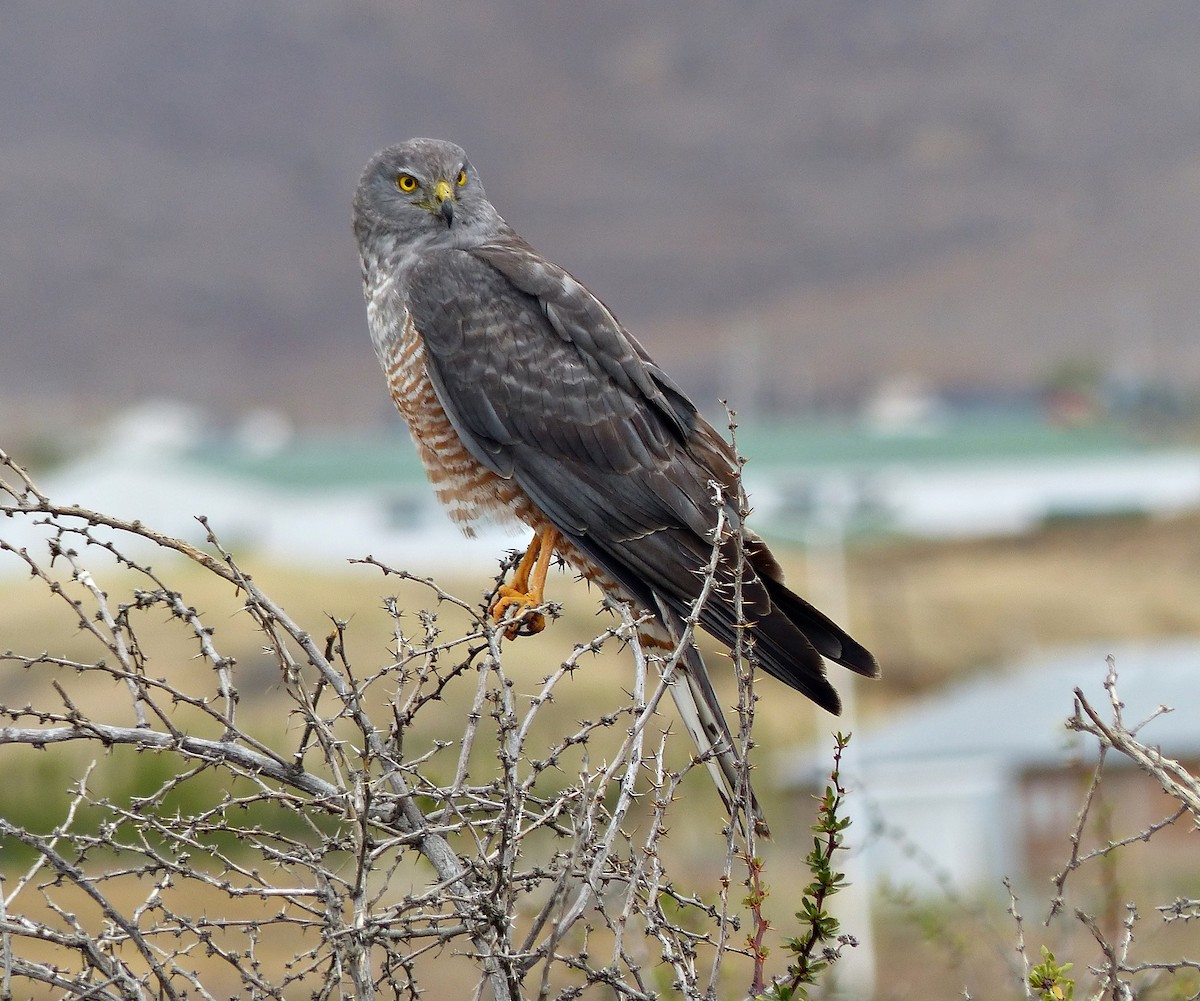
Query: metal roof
pixel 382 459
pixel 848 444
pixel 319 464
pixel 1018 714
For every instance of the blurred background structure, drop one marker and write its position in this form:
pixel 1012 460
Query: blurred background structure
pixel 988 198
pixel 940 255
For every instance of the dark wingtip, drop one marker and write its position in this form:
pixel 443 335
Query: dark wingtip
pixel 826 636
pixel 802 669
pixel 833 705
pixel 857 658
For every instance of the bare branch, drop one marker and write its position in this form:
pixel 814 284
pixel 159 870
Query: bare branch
pixel 361 848
pixel 1175 780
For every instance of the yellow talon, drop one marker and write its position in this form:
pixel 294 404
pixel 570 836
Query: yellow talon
pixel 527 588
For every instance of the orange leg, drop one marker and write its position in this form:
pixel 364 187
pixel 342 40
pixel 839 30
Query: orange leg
pixel 528 587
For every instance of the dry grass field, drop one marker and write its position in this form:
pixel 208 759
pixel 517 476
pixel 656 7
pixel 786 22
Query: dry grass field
pixel 936 610
pixel 931 611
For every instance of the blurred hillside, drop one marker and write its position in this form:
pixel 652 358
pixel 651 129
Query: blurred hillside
pixel 969 191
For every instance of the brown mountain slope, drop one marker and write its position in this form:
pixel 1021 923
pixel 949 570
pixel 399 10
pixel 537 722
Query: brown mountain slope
pixel 903 184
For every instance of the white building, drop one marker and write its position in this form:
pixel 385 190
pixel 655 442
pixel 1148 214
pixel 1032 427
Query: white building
pixel 983 780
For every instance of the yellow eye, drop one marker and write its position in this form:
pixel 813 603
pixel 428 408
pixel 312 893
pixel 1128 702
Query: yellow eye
pixel 407 183
pixel 461 179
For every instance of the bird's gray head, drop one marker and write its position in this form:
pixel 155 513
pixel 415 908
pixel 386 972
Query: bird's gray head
pixel 422 192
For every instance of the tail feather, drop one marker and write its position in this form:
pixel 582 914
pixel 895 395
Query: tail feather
pixel 791 637
pixel 829 639
pixel 785 653
pixel 702 715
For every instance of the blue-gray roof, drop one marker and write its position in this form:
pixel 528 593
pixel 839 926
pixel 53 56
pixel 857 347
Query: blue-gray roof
pixel 1018 714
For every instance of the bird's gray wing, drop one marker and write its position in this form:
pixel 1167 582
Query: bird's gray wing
pixel 578 419
pixel 580 317
pixel 544 386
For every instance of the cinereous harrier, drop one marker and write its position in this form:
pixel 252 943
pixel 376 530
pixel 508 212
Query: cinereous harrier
pixel 528 400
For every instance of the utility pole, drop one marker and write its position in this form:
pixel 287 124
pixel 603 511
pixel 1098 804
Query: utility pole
pixel 853 976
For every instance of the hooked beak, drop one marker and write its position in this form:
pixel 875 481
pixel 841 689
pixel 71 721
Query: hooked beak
pixel 443 194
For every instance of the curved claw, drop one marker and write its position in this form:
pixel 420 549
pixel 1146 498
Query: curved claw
pixel 527 588
pixel 526 622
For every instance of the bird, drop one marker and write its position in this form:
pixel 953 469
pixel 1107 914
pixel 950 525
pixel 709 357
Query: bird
pixel 527 400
